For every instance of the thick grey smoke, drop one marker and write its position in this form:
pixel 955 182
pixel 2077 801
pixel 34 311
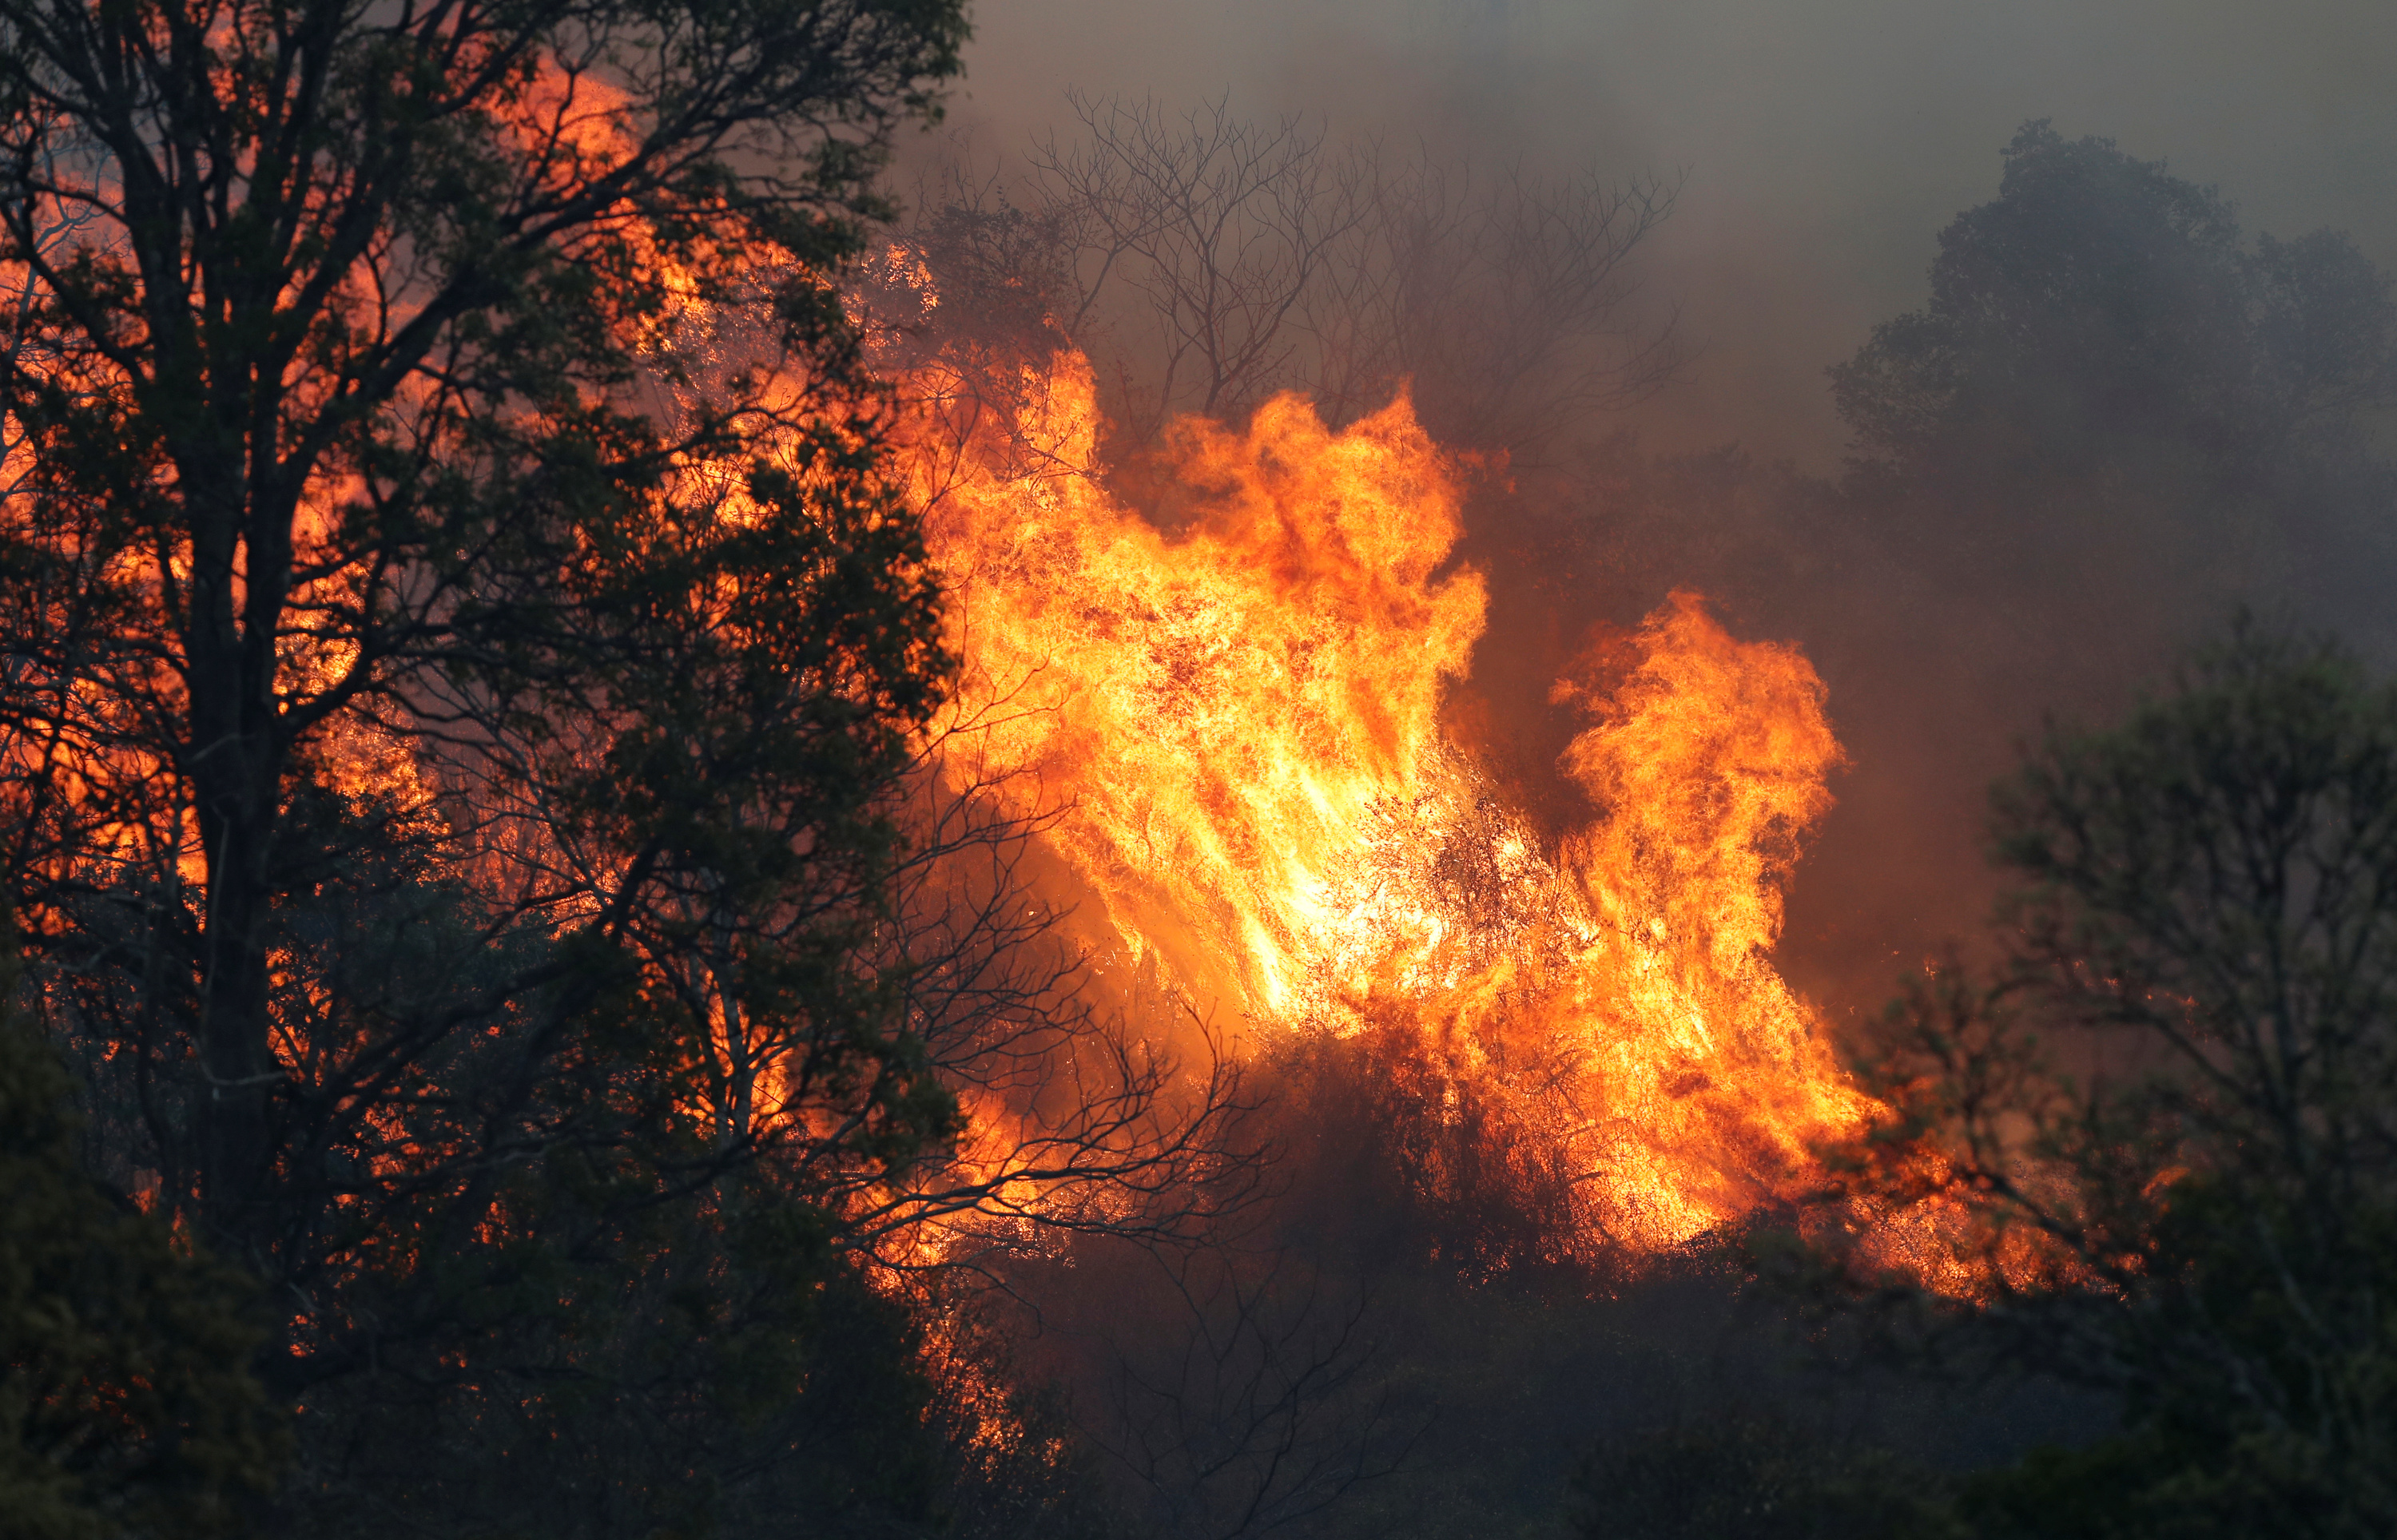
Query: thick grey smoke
pixel 1824 143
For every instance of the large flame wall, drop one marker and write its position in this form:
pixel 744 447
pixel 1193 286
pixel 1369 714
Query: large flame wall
pixel 1235 724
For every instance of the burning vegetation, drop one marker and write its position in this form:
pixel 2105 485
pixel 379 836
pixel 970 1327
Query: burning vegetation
pixel 1238 725
pixel 697 861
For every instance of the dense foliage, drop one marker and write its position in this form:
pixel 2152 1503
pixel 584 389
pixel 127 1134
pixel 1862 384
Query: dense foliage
pixel 464 657
pixel 2113 387
pixel 2161 1125
pixel 1756 1478
pixel 124 1398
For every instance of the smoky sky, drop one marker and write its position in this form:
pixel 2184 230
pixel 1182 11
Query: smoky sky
pixel 1824 143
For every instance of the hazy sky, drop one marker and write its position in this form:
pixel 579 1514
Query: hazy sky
pixel 1825 142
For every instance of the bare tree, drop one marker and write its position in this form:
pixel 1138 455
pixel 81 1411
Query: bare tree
pixel 1210 261
pixel 1080 1118
pixel 1214 231
pixel 1507 301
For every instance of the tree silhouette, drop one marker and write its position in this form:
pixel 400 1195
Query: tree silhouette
pixel 125 1399
pixel 464 657
pixel 2157 1133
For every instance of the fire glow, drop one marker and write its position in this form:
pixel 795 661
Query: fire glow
pixel 1231 720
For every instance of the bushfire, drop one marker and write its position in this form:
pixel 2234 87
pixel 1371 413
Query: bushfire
pixel 1228 709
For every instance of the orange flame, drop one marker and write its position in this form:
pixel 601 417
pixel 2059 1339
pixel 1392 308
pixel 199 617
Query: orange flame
pixel 1239 720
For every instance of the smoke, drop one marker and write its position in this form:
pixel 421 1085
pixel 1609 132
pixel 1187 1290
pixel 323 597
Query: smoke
pixel 1825 144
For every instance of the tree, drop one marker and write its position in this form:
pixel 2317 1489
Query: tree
pixel 1206 261
pixel 462 652
pixel 2160 1134
pixel 125 1399
pixel 2109 375
pixel 1219 227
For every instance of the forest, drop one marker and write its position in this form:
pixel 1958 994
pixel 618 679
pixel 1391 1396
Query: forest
pixel 726 816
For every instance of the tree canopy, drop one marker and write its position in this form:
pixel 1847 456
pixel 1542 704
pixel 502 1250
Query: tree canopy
pixel 464 657
pixel 2159 1130
pixel 2100 308
pixel 2111 378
